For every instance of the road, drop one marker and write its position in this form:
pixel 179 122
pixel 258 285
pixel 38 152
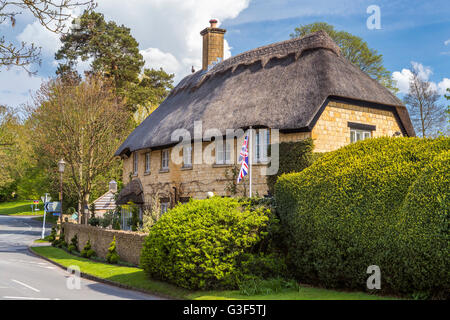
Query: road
pixel 24 276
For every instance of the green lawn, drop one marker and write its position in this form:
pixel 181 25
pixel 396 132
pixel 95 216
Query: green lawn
pixel 20 208
pixel 136 278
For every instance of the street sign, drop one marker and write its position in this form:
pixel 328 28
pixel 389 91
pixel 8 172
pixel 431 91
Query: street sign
pixel 56 214
pixel 53 207
pixel 36 201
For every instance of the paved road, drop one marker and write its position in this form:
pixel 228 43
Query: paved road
pixel 26 277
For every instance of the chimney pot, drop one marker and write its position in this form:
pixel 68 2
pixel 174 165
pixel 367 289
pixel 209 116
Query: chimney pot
pixel 213 23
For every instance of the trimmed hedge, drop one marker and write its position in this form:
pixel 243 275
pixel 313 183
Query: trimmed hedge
pixel 198 245
pixel 425 233
pixel 296 156
pixel 339 213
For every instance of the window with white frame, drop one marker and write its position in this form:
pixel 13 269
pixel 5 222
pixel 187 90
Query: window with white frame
pixel 358 135
pixel 224 152
pixel 187 156
pixel 147 162
pixel 165 159
pixel 261 142
pixel 135 163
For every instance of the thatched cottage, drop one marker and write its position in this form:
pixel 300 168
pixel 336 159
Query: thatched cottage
pixel 304 87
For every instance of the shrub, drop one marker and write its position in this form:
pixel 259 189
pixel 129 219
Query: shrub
pixel 296 157
pixel 87 251
pixel 424 258
pixel 73 244
pixel 112 256
pixel 339 213
pixel 197 245
pixel 53 234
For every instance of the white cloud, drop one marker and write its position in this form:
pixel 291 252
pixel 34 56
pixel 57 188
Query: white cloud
pixel 41 37
pixel 16 85
pixel 168 31
pixel 447 42
pixel 404 77
pixel 443 86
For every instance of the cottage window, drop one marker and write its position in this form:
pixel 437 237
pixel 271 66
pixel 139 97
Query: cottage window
pixel 223 152
pixel 261 146
pixel 135 163
pixel 147 162
pixel 164 207
pixel 358 135
pixel 165 159
pixel 187 156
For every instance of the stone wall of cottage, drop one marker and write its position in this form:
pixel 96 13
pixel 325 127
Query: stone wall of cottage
pixel 129 244
pixel 330 133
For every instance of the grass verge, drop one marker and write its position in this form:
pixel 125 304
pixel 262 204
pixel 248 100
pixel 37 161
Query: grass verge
pixel 136 278
pixel 20 208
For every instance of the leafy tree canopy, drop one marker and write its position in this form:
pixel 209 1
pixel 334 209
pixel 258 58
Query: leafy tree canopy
pixel 354 49
pixel 114 54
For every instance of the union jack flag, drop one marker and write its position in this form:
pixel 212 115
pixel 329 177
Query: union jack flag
pixel 243 158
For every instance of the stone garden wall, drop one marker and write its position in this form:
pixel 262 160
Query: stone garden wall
pixel 129 244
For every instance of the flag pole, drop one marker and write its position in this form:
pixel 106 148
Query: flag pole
pixel 250 158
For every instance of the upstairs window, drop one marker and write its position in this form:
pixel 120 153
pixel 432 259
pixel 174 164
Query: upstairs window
pixel 135 163
pixel 147 162
pixel 358 135
pixel 261 142
pixel 187 156
pixel 223 152
pixel 165 159
pixel 360 131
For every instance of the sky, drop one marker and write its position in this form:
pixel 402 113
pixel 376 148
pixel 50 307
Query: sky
pixel 412 34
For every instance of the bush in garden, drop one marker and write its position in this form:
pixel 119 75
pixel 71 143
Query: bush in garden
pixel 296 157
pixel 73 244
pixel 87 251
pixel 424 233
pixel 112 256
pixel 53 234
pixel 197 245
pixel 340 214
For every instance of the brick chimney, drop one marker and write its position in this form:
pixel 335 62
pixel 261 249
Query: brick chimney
pixel 213 38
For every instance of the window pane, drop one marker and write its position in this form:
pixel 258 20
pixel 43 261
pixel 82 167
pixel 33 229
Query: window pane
pixel 219 152
pixel 135 165
pixel 352 136
pixel 187 150
pixel 147 162
pixel 366 135
pixel 358 136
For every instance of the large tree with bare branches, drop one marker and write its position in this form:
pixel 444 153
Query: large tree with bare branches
pixel 83 123
pixel 51 14
pixel 422 100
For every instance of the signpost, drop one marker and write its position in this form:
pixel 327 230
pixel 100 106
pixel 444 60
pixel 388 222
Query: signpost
pixel 45 200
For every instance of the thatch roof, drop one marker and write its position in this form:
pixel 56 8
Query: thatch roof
pixel 132 192
pixel 281 86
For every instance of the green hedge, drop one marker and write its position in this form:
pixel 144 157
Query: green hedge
pixel 425 233
pixel 338 214
pixel 294 157
pixel 197 245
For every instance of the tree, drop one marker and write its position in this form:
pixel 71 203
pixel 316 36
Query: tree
pixel 354 49
pixel 83 123
pixel 115 55
pixel 426 114
pixel 51 14
pixel 112 48
pixel 153 87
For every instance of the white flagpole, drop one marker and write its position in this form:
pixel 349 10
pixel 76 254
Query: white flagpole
pixel 250 158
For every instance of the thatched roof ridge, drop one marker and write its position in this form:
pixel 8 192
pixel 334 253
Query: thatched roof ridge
pixel 318 40
pixel 281 86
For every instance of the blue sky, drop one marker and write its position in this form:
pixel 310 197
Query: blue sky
pixel 168 34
